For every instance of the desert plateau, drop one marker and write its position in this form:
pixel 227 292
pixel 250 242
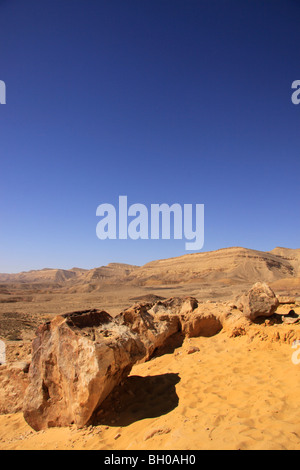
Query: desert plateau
pixel 189 353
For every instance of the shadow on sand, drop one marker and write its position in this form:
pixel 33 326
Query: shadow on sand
pixel 138 398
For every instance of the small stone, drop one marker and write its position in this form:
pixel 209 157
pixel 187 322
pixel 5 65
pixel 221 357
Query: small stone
pixel 193 350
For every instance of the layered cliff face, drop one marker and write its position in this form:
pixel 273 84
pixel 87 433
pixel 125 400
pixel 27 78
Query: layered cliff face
pixel 229 264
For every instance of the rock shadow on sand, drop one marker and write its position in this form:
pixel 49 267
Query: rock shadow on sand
pixel 138 398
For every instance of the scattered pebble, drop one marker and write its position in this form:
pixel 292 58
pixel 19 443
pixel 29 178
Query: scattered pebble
pixel 193 350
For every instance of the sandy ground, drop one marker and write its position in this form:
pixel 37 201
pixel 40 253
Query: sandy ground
pixel 233 393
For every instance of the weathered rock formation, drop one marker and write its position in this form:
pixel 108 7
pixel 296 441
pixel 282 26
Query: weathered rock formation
pixel 77 360
pixel 260 301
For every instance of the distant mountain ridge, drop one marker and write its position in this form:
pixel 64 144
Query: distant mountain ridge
pixel 228 265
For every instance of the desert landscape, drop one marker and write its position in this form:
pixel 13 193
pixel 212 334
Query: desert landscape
pixel 188 353
pixel 150 263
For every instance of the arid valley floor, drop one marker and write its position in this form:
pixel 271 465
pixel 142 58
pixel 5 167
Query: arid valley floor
pixel 237 389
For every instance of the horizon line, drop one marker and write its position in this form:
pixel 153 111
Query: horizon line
pixel 152 261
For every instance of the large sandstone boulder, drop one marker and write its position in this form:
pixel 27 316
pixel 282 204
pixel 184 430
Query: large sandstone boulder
pixel 77 360
pixel 260 301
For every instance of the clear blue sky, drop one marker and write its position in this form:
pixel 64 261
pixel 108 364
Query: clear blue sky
pixel 161 100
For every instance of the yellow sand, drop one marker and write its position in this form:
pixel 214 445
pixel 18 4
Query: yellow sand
pixel 234 393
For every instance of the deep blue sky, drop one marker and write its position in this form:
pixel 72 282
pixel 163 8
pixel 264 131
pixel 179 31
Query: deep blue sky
pixel 161 100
